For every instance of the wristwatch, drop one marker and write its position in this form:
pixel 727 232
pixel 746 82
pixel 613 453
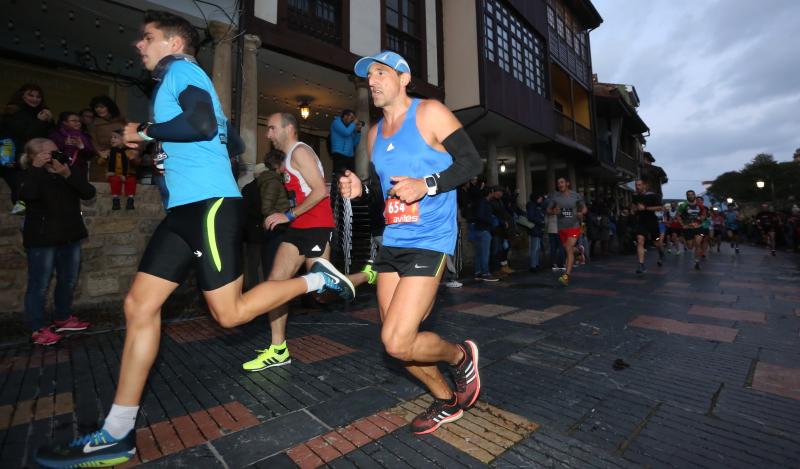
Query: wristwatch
pixel 142 131
pixel 433 187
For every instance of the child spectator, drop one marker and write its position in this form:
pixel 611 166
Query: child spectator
pixel 122 164
pixel 107 118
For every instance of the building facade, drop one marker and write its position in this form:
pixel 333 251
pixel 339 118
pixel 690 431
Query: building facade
pixel 517 73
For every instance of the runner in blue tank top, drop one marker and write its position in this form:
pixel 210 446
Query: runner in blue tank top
pixel 420 153
pixel 202 230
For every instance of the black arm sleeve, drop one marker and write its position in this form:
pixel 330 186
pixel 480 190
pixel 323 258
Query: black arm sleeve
pixel 235 143
pixel 196 123
pixel 466 161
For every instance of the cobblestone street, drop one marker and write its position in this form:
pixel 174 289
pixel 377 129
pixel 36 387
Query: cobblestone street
pixel 673 368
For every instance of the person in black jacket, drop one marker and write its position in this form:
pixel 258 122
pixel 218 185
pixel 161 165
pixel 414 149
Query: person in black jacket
pixel 535 214
pixel 26 116
pixel 52 233
pixel 481 236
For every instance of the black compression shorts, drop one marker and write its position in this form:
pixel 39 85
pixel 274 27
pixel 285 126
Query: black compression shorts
pixel 204 235
pixel 410 262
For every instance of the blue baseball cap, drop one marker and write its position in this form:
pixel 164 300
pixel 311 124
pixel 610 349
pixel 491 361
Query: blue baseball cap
pixel 392 59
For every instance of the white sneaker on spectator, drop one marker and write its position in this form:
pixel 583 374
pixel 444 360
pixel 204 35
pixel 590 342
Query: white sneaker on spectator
pixel 454 284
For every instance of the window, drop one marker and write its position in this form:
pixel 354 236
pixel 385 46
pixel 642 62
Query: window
pixel 403 23
pixel 513 46
pixel 321 19
pixel 568 40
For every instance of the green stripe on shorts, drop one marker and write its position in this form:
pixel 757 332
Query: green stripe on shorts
pixel 441 263
pixel 212 234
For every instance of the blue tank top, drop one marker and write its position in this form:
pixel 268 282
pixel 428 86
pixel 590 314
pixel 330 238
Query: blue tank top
pixel 200 170
pixel 407 154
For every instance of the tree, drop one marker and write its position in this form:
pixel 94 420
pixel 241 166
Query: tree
pixel 783 178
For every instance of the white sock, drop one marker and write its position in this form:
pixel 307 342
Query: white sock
pixel 314 281
pixel 121 419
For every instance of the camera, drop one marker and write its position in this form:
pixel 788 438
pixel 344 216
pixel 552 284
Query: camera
pixel 60 157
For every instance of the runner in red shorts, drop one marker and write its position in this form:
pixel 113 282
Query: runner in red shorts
pixel 568 206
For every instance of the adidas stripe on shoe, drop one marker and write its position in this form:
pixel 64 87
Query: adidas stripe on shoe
pixel 268 358
pixel 436 415
pixel 467 376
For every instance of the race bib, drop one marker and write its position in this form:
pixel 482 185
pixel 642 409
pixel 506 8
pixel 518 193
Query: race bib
pixel 397 211
pixel 566 212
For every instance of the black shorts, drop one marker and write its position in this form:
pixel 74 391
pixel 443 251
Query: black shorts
pixel 648 230
pixel 690 233
pixel 204 235
pixel 311 242
pixel 671 230
pixel 410 262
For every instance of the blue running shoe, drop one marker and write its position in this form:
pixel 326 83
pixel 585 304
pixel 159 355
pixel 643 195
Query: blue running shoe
pixel 334 280
pixel 98 449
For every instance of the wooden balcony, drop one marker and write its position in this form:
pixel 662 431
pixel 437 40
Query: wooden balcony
pixel 627 163
pixel 568 128
pixel 567 57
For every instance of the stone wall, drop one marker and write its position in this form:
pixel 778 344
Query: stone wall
pixel 110 254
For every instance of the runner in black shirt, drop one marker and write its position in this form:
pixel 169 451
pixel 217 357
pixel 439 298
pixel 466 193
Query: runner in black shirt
pixel 767 222
pixel 645 205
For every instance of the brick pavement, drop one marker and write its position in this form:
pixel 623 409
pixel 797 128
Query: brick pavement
pixel 712 379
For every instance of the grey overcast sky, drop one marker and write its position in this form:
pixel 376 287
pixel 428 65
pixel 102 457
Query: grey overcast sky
pixel 718 80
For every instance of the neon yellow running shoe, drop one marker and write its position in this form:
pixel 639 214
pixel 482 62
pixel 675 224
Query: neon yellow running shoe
pixel 564 280
pixel 268 358
pixel 372 276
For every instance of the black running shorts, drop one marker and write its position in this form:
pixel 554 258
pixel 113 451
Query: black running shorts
pixel 311 242
pixel 204 235
pixel 410 262
pixel 690 233
pixel 648 230
pixel 677 231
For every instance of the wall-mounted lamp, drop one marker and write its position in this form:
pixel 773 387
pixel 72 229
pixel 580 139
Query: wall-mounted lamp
pixel 760 184
pixel 305 111
pixel 729 200
pixel 502 167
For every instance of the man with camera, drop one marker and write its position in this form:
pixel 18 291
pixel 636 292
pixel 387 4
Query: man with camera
pixel 344 138
pixel 52 233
